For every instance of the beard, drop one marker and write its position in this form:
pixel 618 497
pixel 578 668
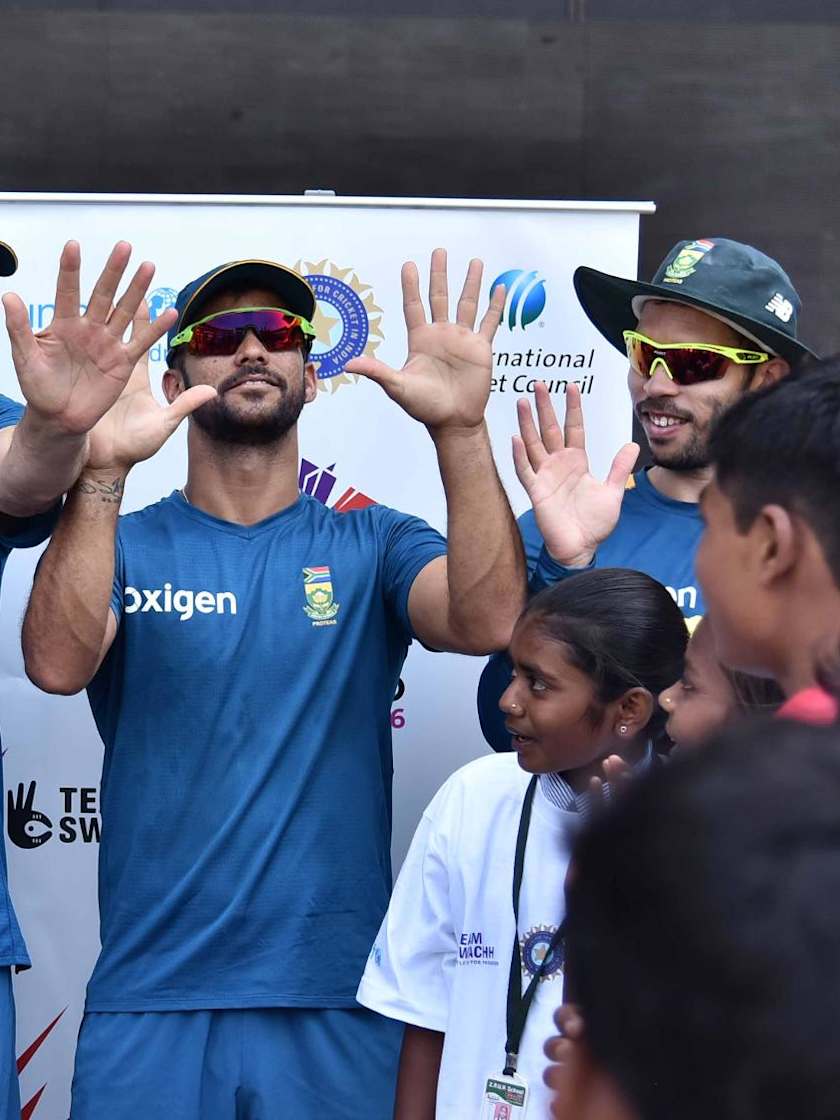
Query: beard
pixel 694 454
pixel 225 423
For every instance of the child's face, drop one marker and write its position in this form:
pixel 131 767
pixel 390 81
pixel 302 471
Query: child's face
pixel 727 566
pixel 548 705
pixel 702 701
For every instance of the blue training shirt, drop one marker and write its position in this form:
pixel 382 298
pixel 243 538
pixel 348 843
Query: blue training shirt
pixel 19 532
pixel 246 788
pixel 654 534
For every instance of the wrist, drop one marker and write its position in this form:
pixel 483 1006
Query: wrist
pixel 583 559
pixel 458 433
pixel 41 430
pixel 107 484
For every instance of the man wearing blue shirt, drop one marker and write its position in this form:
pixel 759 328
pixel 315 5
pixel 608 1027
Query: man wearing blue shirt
pixel 70 375
pixel 241 644
pixel 718 319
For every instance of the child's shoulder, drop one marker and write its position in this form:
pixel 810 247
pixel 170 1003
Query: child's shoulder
pixel 484 781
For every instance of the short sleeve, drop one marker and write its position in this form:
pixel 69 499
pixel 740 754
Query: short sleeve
pixel 408 545
pixel 118 587
pixel 406 973
pixel 23 532
pixel 10 412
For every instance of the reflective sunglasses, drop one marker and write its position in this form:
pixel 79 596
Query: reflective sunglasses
pixel 221 334
pixel 686 363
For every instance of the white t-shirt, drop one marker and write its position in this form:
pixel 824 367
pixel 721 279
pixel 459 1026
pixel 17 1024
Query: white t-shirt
pixel 442 956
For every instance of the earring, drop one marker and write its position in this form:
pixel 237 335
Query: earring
pixel 623 729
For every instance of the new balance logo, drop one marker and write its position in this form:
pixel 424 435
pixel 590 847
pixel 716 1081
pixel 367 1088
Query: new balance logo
pixel 782 308
pixel 183 603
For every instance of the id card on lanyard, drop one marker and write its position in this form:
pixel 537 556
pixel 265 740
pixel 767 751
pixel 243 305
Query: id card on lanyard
pixel 506 1094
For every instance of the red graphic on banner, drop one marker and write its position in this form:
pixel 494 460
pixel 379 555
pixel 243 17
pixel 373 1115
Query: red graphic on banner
pixel 32 1104
pixel 24 1060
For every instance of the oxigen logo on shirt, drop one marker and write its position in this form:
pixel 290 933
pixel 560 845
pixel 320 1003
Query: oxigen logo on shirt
pixel 184 603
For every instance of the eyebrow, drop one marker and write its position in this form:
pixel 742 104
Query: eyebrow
pixel 534 671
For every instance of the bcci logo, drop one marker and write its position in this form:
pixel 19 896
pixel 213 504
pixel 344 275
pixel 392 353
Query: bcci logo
pixel 160 300
pixel 535 946
pixel 347 321
pixel 524 297
pixel 318 589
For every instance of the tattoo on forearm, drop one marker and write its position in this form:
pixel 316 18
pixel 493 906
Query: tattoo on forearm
pixel 111 492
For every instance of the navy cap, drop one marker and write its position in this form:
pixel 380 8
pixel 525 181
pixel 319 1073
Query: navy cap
pixel 295 294
pixel 733 282
pixel 8 260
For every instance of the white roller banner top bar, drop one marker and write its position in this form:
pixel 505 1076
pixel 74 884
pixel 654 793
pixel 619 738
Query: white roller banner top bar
pixel 356 445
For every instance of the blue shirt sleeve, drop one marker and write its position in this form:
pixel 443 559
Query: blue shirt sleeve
pixel 118 586
pixel 23 532
pixel 408 545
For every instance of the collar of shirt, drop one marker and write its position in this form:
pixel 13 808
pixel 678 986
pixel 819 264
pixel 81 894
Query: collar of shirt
pixel 559 793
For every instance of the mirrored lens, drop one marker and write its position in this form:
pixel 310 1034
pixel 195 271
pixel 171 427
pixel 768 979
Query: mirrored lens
pixel 688 366
pixel 223 334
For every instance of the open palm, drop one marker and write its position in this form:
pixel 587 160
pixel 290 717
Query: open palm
pixel 136 426
pixel 445 381
pixel 73 371
pixel 575 511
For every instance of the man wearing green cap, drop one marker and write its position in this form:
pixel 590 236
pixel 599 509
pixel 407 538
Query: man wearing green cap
pixel 241 644
pixel 70 374
pixel 718 319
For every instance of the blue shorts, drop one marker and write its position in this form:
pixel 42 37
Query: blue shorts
pixel 249 1064
pixel 9 1091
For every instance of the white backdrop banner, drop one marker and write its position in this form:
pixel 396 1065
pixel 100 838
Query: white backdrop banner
pixel 356 446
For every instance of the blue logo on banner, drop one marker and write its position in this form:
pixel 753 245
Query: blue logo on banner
pixel 524 297
pixel 160 300
pixel 349 336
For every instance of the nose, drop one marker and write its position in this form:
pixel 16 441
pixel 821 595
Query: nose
pixel 660 384
pixel 666 699
pixel 509 700
pixel 251 350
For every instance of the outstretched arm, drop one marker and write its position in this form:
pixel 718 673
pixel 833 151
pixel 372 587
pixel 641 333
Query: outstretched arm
pixel 69 626
pixel 469 600
pixel 70 374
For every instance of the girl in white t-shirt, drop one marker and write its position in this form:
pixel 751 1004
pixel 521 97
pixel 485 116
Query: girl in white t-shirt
pixel 451 960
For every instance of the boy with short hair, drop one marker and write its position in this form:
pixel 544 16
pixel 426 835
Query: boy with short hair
pixel 769 557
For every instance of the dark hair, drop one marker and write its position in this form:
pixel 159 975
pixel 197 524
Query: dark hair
pixel 705 913
pixel 622 628
pixel 781 445
pixel 753 695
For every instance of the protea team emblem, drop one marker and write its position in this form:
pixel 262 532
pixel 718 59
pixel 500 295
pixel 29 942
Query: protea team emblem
pixel 347 321
pixel 686 261
pixel 320 603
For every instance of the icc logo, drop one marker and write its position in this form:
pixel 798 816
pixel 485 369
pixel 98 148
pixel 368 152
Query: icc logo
pixel 524 297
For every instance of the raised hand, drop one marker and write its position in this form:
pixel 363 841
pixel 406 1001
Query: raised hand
pixel 617 774
pixel 445 381
pixel 575 511
pixel 73 371
pixel 136 426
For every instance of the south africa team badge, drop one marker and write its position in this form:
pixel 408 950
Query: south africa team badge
pixel 320 602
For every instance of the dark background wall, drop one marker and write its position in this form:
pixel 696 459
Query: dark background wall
pixel 730 122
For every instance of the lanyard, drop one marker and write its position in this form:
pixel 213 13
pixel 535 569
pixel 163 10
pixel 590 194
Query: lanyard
pixel 519 1002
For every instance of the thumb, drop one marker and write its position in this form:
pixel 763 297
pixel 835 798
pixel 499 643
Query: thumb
pixel 622 465
pixel 17 324
pixel 377 371
pixel 187 402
